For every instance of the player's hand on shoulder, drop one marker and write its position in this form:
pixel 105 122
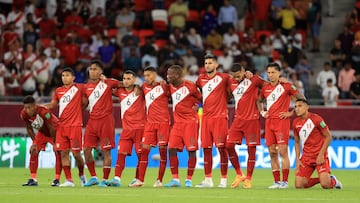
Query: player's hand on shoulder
pixel 163 82
pixel 103 78
pixel 137 90
pixel 249 74
pixel 283 80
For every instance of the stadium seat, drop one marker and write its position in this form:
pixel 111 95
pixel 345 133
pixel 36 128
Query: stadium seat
pixel 142 5
pixel 161 43
pixel 143 34
pixel 260 33
pixel 344 103
pixel 160 26
pixel 112 33
pixel 159 15
pixel 241 36
pixel 194 16
pixel 85 34
pixel 45 42
pixel 304 37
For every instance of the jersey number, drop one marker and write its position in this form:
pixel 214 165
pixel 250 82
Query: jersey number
pixel 66 99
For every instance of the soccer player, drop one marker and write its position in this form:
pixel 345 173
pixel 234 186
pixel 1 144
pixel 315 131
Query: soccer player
pixel 185 97
pixel 133 118
pixel 315 137
pixel 70 98
pixel 157 128
pixel 246 121
pixel 40 118
pixel 214 128
pixel 100 127
pixel 277 124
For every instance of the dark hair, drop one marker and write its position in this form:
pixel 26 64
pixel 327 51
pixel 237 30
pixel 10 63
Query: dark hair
pixel 210 56
pixel 274 65
pixel 97 63
pixel 177 68
pixel 329 80
pixel 303 100
pixel 68 69
pixel 150 68
pixel 29 100
pixel 327 63
pixel 130 72
pixel 236 67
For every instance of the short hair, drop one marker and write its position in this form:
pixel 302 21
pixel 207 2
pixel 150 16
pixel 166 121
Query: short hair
pixel 327 63
pixel 130 72
pixel 329 80
pixel 29 100
pixel 97 63
pixel 302 100
pixel 210 56
pixel 177 68
pixel 150 68
pixel 274 65
pixel 236 67
pixel 68 69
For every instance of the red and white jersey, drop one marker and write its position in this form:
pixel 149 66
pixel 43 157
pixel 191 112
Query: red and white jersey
pixel 245 95
pixel 42 70
pixel 70 104
pixel 133 114
pixel 157 102
pixel 214 94
pixel 184 97
pixel 310 132
pixel 19 19
pixel 278 98
pixel 100 97
pixel 42 117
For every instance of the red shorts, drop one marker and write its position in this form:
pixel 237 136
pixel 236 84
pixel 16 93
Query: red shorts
pixel 156 134
pixel 310 166
pixel 69 138
pixel 41 140
pixel 250 129
pixel 214 130
pixel 277 131
pixel 184 134
pixel 100 130
pixel 128 138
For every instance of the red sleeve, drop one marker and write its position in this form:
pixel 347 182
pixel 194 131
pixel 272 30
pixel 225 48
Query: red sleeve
pixel 23 116
pixel 113 82
pixel 196 92
pixel 296 133
pixel 320 123
pixel 55 97
pixel 262 93
pixel 166 90
pixel 197 83
pixel 291 89
pixel 258 81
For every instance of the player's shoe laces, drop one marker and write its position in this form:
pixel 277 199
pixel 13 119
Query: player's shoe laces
pixel 92 181
pixel 188 183
pixel 238 180
pixel 276 185
pixel 206 183
pixel 173 183
pixel 114 182
pixel 31 182
pixel 284 185
pixel 247 184
pixel 82 180
pixel 136 183
pixel 158 183
pixel 338 184
pixel 103 183
pixel 223 183
pixel 55 183
pixel 67 183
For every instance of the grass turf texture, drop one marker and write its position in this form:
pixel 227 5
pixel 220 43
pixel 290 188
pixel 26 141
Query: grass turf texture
pixel 12 191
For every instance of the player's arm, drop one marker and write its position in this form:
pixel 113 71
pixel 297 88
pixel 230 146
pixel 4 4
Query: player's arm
pixel 297 149
pixel 297 95
pixel 51 129
pixel 30 131
pixel 260 106
pixel 326 133
pixel 52 104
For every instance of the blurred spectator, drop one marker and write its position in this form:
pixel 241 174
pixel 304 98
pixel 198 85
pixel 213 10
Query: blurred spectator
pixel 13 58
pixel 189 59
pixel 214 39
pixel 29 54
pixel 178 12
pixel 133 62
pixel 337 54
pixel 286 71
pixel 192 73
pixel 278 40
pixel 147 47
pixel 80 73
pixel 2 78
pixel 28 79
pixel 107 56
pixel 209 21
pixel 53 60
pixel 355 87
pixel 124 23
pixel 298 84
pixel 227 17
pixel 251 39
pixel 98 4
pixel 304 70
pixel 330 94
pixel 314 18
pixel 73 21
pixel 61 13
pixel 70 51
pixel 85 56
pixel 259 61
pixel 242 11
pixel 330 12
pixel 170 55
pixel 84 10
pixel 260 10
pixel 267 47
pixel 30 18
pixel 324 75
pixel 51 8
pixel 288 16
pixel 2 22
pixel 98 22
pixel 234 51
pixel 30 35
pixel 291 54
pixel 56 76
pixel 9 36
pixel 51 48
pixel 96 43
pixel 146 21
pixel 125 52
pixel 225 60
pixel 229 37
pixel 296 38
pixel 176 36
pixel 151 58
pixel 47 27
pixel 195 40
pixel 41 67
pixel 18 17
pixel 29 7
pixel 346 77
pixel 346 38
pixel 355 56
pixel 276 6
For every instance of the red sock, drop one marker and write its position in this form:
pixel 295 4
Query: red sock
pixel 174 166
pixel 120 164
pixel 81 168
pixel 58 165
pixel 143 163
pixel 91 168
pixel 312 182
pixel 234 159
pixel 208 161
pixel 67 172
pixel 137 166
pixel 106 172
pixel 276 174
pixel 223 162
pixel 163 160
pixel 191 167
pixel 251 161
pixel 34 160
pixel 285 173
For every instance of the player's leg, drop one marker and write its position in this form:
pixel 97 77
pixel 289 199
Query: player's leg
pixel 163 133
pixel 63 145
pixel 273 151
pixel 90 143
pixel 220 133
pixel 191 168
pixel 327 180
pixel 76 147
pixel 33 165
pixel 282 129
pixel 285 163
pixel 190 139
pixel 137 145
pixel 303 175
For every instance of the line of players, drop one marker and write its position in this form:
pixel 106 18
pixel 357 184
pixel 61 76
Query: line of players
pixel 146 123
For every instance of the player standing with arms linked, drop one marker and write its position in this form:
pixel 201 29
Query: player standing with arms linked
pixel 214 128
pixel 70 98
pixel 246 121
pixel 133 119
pixel 277 121
pixel 157 128
pixel 315 137
pixel 100 127
pixel 40 118
pixel 185 131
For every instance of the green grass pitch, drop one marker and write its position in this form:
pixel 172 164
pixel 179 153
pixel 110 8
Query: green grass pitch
pixel 12 191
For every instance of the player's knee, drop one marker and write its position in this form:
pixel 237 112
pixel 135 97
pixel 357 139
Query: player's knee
pixel 172 152
pixel 299 183
pixel 230 146
pixel 325 184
